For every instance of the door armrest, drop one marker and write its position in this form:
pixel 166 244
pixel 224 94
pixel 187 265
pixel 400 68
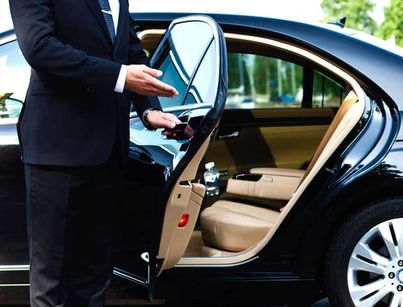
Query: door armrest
pixel 270 183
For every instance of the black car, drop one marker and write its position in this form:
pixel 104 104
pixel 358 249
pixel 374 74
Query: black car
pixel 302 122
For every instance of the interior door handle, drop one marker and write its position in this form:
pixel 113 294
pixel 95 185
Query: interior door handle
pixel 232 135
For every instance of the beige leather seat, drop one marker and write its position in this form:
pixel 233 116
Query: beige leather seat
pixel 235 226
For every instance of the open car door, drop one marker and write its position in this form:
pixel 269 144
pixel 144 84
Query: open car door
pixel 192 56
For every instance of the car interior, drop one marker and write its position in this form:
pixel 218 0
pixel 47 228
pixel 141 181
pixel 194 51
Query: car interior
pixel 268 147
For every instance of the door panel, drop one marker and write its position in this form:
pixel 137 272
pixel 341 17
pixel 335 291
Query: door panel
pixel 282 147
pixel 283 138
pixel 206 87
pixel 192 57
pixel 185 198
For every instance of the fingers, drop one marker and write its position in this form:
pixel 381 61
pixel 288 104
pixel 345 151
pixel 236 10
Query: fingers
pixel 154 87
pixel 161 88
pixel 159 119
pixel 152 72
pixel 169 134
pixel 161 122
pixel 167 124
pixel 142 80
pixel 171 117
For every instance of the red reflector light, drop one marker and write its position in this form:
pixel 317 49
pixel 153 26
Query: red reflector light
pixel 183 221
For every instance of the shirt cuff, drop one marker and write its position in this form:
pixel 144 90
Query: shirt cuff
pixel 120 83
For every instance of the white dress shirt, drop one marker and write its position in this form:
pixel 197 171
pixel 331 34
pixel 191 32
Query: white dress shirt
pixel 120 83
pixel 115 6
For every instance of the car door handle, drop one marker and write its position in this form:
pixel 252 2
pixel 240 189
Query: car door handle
pixel 231 135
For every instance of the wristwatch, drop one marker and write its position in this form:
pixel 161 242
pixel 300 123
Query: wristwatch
pixel 144 118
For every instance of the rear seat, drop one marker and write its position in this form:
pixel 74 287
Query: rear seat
pixel 234 226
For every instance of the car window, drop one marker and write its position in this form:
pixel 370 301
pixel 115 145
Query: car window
pixel 14 80
pixel 257 81
pixel 201 91
pixel 184 68
pixel 327 93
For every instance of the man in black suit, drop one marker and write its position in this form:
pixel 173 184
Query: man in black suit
pixel 87 64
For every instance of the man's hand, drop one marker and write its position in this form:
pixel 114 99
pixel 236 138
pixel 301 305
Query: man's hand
pixel 157 119
pixel 142 80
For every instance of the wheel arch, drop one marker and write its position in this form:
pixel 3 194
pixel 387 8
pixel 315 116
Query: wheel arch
pixel 373 187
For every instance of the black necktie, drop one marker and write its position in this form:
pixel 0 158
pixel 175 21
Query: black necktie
pixel 107 12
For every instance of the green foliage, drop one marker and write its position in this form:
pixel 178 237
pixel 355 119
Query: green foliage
pixel 234 70
pixel 261 74
pixel 356 11
pixel 393 24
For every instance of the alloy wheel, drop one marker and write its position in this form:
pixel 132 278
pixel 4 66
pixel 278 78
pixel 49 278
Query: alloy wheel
pixel 375 269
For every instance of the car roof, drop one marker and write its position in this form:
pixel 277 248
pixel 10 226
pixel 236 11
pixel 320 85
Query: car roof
pixel 367 58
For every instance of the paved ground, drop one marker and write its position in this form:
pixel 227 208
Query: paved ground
pixel 322 303
pixel 120 295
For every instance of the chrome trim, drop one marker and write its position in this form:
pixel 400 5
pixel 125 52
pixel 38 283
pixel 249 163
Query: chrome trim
pixel 215 265
pixel 232 135
pixel 23 267
pixel 12 268
pixel 7 39
pixel 139 281
pixel 14 285
pixel 146 257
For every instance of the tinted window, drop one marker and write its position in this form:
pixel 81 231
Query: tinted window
pixel 14 79
pixel 257 81
pixel 327 93
pixel 202 90
pixel 188 67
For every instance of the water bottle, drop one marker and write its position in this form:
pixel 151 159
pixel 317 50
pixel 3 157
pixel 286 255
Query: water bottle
pixel 211 176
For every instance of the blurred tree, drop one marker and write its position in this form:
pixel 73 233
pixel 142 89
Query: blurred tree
pixel 356 11
pixel 261 75
pixel 393 24
pixel 234 70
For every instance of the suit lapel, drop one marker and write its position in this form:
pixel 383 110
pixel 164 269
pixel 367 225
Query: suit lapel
pixel 96 11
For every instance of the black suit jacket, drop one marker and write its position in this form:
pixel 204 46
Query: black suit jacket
pixel 72 116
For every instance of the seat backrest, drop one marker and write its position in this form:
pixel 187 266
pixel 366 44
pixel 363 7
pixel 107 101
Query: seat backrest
pixel 347 103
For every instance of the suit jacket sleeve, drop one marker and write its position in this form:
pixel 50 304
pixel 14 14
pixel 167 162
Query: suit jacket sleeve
pixel 138 56
pixel 34 27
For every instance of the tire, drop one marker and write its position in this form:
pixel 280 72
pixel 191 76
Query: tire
pixel 364 265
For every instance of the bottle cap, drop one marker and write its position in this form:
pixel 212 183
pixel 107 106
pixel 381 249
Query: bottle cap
pixel 209 165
